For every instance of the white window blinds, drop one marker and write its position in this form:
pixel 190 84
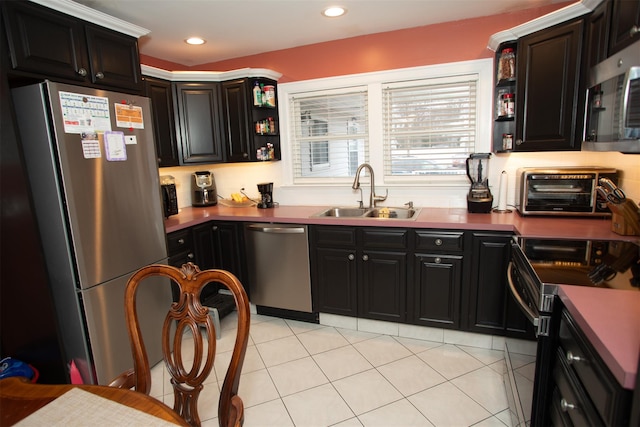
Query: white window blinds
pixel 330 134
pixel 429 126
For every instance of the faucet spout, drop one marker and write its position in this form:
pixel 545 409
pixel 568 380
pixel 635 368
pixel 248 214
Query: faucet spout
pixel 372 195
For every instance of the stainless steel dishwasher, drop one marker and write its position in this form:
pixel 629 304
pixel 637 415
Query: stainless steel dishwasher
pixel 278 261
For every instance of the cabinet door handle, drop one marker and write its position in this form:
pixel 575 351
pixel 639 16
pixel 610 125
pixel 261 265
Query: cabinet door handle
pixel 566 406
pixel 214 228
pixel 519 142
pixel 82 72
pixel 365 257
pixel 181 241
pixel 190 255
pixel 438 260
pixel 634 30
pixel 351 257
pixel 571 358
pixel 438 242
pixel 99 75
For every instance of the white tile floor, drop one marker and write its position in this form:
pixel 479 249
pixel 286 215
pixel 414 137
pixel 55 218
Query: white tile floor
pixel 302 374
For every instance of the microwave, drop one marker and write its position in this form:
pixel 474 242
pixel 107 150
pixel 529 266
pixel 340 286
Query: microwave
pixel 562 191
pixel 612 111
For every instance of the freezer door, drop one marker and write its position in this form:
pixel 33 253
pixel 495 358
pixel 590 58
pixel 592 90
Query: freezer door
pixel 109 185
pixel 104 309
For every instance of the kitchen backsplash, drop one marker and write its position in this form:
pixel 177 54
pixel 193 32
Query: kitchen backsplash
pixel 230 178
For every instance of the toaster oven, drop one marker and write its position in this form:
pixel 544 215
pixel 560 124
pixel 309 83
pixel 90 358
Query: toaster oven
pixel 569 191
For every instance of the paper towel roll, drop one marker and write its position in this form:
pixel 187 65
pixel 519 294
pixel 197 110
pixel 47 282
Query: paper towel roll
pixel 502 195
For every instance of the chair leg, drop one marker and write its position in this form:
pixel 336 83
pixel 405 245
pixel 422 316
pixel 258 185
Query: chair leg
pixel 213 312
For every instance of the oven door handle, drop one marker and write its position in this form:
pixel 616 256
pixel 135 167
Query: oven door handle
pixel 531 315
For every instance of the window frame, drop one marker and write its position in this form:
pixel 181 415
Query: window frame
pixel 374 82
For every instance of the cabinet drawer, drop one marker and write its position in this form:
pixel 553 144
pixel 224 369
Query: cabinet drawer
pixel 180 241
pixel 609 398
pixel 574 402
pixel 385 238
pixel 439 241
pixel 334 236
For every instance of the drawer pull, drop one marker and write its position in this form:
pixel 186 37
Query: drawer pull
pixel 438 260
pixel 365 257
pixel 438 242
pixel 181 241
pixel 351 257
pixel 571 358
pixel 566 406
pixel 190 255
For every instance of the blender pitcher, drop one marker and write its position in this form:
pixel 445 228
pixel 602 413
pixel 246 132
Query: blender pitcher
pixel 479 199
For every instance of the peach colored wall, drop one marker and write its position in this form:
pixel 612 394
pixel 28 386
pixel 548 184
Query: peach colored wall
pixel 431 44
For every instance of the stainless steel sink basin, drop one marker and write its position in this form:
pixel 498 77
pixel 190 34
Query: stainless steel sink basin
pixel 366 213
pixel 343 212
pixel 390 213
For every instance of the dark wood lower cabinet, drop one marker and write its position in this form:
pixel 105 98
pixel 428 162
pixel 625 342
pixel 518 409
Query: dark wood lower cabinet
pixel 437 286
pixel 334 281
pixel 439 278
pixel 492 309
pixel 210 245
pixel 383 286
pixel 352 276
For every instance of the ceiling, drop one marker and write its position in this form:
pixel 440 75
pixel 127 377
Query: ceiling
pixel 236 28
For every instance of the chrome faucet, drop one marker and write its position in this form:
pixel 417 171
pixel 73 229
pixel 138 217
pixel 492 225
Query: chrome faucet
pixel 372 196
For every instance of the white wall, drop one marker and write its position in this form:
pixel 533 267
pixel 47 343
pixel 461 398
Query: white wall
pixel 231 178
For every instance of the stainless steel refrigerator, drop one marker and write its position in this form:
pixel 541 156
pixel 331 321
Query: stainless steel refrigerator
pixel 92 169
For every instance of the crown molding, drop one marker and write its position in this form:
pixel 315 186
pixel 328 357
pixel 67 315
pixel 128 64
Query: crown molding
pixel 91 15
pixel 550 19
pixel 208 76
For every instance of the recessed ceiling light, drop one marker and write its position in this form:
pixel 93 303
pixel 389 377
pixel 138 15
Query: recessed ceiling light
pixel 334 11
pixel 194 40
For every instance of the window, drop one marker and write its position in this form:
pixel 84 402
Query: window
pixel 415 126
pixel 330 131
pixel 429 126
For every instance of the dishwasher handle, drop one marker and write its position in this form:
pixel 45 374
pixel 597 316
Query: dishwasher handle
pixel 276 229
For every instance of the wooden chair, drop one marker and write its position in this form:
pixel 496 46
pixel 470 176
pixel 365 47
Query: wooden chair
pixel 189 314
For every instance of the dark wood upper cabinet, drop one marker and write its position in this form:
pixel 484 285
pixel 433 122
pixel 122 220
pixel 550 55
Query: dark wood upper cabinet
pixel 548 93
pixel 197 114
pixel 235 117
pixel 47 43
pixel 161 97
pixel 114 59
pixel 625 24
pixel 597 30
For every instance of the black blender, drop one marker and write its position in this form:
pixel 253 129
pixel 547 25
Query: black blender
pixel 266 191
pixel 479 199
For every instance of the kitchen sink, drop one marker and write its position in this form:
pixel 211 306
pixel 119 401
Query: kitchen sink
pixel 391 213
pixel 368 213
pixel 343 212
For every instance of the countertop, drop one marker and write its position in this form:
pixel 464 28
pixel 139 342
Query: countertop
pixel 610 319
pixel 456 218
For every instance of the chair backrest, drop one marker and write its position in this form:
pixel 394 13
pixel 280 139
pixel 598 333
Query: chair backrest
pixel 189 314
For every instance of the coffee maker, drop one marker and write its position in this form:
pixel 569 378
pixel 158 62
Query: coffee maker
pixel 203 189
pixel 479 199
pixel 169 195
pixel 266 190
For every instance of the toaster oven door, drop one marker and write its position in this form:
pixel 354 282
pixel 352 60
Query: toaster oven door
pixel 562 193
